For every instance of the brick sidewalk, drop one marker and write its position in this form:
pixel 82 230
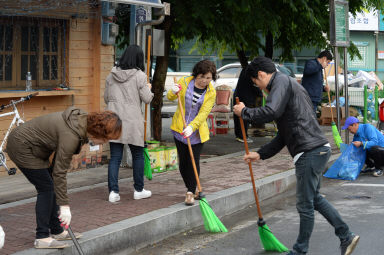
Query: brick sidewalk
pixel 91 210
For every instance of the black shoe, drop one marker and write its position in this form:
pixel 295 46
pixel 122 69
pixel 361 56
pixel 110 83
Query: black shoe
pixel 293 253
pixel 367 169
pixel 348 246
pixel 377 173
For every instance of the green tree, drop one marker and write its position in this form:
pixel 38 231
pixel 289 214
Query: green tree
pixel 244 27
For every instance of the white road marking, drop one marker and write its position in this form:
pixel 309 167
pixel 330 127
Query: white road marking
pixel 363 184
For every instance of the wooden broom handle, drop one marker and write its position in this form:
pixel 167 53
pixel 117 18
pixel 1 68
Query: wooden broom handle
pixel 189 141
pixel 148 72
pixel 249 164
pixel 329 93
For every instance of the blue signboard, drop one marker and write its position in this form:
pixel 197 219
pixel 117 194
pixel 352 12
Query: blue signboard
pixel 141 15
pixel 381 22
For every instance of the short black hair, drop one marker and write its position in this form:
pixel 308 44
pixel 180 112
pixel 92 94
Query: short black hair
pixel 132 58
pixel 203 67
pixel 260 64
pixel 326 53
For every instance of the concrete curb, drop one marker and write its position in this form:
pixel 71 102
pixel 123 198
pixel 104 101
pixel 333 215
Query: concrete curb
pixel 152 227
pixel 137 232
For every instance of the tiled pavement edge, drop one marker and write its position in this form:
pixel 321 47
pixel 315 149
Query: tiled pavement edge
pixel 133 224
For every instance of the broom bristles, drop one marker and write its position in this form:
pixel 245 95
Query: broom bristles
pixel 269 241
pixel 336 135
pixel 211 222
pixel 147 165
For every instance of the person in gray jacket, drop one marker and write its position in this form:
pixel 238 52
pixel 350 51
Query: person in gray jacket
pixel 126 88
pixel 61 135
pixel 290 106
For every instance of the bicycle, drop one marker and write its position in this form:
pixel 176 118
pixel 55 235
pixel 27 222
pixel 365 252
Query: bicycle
pixel 16 120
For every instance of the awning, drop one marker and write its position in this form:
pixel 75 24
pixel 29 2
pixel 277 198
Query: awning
pixel 49 8
pixel 151 3
pixel 63 8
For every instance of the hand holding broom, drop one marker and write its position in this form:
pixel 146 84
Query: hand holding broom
pixel 211 222
pixel 269 241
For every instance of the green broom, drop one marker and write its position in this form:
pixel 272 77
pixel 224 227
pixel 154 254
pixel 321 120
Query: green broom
pixel 211 222
pixel 335 131
pixel 268 240
pixel 147 162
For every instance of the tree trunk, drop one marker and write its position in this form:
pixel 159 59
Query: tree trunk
pixel 242 58
pixel 159 80
pixel 269 45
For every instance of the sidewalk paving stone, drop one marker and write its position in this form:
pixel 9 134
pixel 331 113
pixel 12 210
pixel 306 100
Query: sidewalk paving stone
pixel 91 210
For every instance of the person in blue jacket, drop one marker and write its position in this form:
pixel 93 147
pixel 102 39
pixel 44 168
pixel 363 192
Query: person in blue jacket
pixel 372 141
pixel 313 79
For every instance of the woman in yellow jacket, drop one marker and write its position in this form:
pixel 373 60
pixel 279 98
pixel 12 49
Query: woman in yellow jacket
pixel 197 96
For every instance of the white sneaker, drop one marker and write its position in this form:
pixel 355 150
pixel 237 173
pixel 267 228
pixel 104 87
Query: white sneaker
pixel 114 197
pixel 50 244
pixel 143 194
pixel 249 140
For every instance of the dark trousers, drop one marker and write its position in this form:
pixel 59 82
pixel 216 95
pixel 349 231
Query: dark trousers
pixel 185 163
pixel 47 220
pixel 375 157
pixel 116 150
pixel 236 122
pixel 315 104
pixel 309 170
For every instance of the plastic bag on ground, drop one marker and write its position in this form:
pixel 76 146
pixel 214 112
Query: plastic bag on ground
pixel 331 82
pixel 341 102
pixel 378 82
pixel 348 165
pixel 369 80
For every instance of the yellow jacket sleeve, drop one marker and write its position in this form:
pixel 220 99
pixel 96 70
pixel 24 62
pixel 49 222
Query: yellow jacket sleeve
pixel 206 107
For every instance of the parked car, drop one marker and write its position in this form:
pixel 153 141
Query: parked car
pixel 229 74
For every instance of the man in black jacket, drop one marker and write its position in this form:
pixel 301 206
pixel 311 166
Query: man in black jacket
pixel 247 93
pixel 290 106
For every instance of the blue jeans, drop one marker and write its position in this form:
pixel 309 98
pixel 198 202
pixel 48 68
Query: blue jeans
pixel 114 165
pixel 309 169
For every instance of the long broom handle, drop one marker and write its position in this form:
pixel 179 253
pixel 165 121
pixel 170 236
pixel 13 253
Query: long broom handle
pixel 73 237
pixel 148 72
pixel 250 164
pixel 329 94
pixel 189 141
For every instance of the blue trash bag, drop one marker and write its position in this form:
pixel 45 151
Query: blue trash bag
pixel 341 102
pixel 348 165
pixel 343 147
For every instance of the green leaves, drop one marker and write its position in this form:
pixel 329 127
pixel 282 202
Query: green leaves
pixel 237 25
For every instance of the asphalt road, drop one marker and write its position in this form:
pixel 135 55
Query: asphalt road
pixel 361 204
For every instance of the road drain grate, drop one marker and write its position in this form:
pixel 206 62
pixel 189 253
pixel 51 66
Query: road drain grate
pixel 357 197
